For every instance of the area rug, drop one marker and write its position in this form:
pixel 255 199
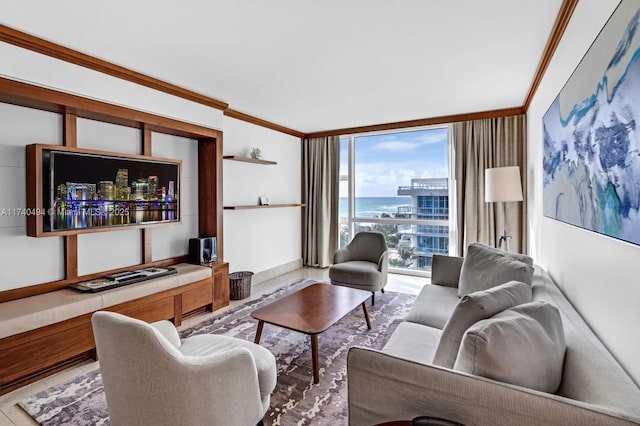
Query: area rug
pixel 295 401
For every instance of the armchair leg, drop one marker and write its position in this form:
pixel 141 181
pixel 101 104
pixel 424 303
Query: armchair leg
pixel 260 423
pixel 373 298
pixel 382 290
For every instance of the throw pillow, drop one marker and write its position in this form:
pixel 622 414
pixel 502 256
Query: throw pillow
pixel 524 346
pixel 484 268
pixel 516 256
pixel 473 308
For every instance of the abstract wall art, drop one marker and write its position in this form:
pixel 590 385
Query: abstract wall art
pixel 591 154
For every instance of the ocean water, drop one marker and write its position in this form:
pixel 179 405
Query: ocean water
pixel 374 206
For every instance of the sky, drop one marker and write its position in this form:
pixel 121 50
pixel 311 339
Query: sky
pixel 387 161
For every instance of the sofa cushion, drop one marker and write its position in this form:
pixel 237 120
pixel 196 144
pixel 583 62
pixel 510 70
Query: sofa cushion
pixel 473 308
pixel 206 344
pixel 484 267
pixel 445 270
pixel 523 346
pixel 355 272
pixel 433 306
pixel 29 313
pixel 413 342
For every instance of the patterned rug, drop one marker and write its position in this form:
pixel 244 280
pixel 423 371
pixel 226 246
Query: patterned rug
pixel 295 401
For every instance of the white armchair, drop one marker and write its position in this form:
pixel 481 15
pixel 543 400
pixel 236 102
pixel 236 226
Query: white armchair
pixel 152 377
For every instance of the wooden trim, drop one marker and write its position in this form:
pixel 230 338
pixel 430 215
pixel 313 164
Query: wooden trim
pixel 248 160
pixel 33 290
pixel 260 122
pixel 70 140
pixel 206 188
pixel 146 140
pixel 70 129
pixel 419 122
pixel 33 157
pixel 146 246
pixel 54 50
pixel 560 25
pixel 71 257
pixel 177 307
pixel 219 200
pixel 146 233
pixel 29 95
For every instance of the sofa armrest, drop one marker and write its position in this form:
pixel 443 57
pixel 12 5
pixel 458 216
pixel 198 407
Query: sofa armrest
pixel 445 270
pixel 384 388
pixel 341 256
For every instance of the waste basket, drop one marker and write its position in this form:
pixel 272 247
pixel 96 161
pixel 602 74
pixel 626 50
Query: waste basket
pixel 240 285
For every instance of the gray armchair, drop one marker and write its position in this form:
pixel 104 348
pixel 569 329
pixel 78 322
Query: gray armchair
pixel 152 377
pixel 362 264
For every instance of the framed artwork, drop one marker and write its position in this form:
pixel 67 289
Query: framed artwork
pixel 591 156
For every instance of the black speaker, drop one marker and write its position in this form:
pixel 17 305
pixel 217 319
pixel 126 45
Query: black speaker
pixel 203 250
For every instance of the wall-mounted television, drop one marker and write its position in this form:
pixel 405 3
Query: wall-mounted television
pixel 72 190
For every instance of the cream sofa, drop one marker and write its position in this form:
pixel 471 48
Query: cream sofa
pixel 400 382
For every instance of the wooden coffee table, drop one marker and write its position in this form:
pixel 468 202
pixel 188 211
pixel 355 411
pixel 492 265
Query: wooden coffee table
pixel 312 310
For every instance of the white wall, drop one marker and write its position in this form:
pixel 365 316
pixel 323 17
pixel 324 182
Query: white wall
pixel 597 273
pixel 261 239
pixel 173 240
pixel 24 260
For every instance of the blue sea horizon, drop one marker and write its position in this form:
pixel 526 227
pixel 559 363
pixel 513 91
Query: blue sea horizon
pixel 374 206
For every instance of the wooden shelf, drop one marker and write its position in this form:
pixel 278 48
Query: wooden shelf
pixel 270 206
pixel 248 160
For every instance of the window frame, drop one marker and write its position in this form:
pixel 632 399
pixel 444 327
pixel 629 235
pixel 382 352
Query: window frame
pixel 352 220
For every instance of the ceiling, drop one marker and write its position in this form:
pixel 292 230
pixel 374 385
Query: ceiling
pixel 314 65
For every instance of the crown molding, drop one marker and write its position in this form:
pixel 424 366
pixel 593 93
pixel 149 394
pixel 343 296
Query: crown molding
pixel 260 122
pixel 54 50
pixel 559 27
pixel 445 119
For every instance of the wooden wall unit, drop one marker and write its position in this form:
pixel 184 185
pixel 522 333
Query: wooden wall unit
pixel 29 356
pixel 73 107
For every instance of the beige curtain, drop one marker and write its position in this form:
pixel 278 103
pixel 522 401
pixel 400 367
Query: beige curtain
pixel 478 145
pixel 320 179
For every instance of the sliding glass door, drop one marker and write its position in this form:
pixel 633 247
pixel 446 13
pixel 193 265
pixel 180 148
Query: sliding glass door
pixel 397 183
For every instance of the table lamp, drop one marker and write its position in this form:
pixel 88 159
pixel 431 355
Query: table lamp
pixel 502 184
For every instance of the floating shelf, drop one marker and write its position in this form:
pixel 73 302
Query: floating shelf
pixel 248 160
pixel 270 206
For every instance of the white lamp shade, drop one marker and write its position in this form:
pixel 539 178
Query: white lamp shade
pixel 502 184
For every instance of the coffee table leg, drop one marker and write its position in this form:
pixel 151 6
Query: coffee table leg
pixel 314 357
pixel 366 315
pixel 259 332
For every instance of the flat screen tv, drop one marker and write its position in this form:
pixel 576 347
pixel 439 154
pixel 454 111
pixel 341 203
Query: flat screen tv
pixel 91 190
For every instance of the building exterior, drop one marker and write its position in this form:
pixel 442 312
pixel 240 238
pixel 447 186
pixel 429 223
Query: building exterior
pixel 429 201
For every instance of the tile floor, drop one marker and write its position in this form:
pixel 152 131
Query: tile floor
pixel 11 414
